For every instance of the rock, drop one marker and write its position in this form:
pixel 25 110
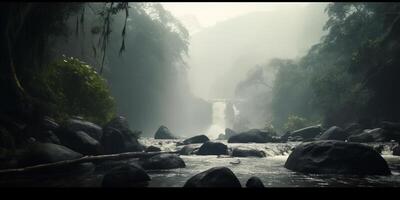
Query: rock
pixel 375 135
pixel 106 165
pixel 353 128
pixel 379 148
pixel 152 149
pixel 121 123
pixel 115 141
pixel 229 133
pixel 336 157
pixel 40 153
pixel 254 182
pixel 285 137
pixel 6 139
pixel 395 126
pixel 118 138
pixel 221 137
pixel 213 148
pixel 214 177
pixel 396 150
pixel 74 125
pixel 162 161
pixel 334 133
pixel 188 150
pixel 49 137
pixel 81 142
pixel 196 139
pixel 251 136
pixel 245 152
pixel 49 124
pixel 164 133
pixel 129 175
pixel 307 133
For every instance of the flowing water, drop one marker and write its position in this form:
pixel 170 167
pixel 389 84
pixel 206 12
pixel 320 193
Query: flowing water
pixel 269 169
pixel 218 120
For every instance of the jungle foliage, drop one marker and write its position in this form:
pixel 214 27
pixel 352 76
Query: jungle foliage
pixel 351 75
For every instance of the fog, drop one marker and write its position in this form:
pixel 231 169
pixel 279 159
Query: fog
pixel 182 57
pixel 245 34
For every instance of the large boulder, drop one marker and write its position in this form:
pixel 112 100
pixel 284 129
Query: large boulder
pixel 214 177
pixel 306 133
pixel 251 136
pixel 188 150
pixel 221 137
pixel 79 141
pixel 334 133
pixel 115 141
pixel 164 133
pixel 395 126
pixel 396 150
pixel 246 152
pixel 48 137
pixel 40 153
pixel 213 148
pixel 254 182
pixel 375 135
pixel 74 125
pixel 196 139
pixel 152 149
pixel 162 161
pixel 336 157
pixel 118 137
pixel 353 128
pixel 49 124
pixel 129 175
pixel 229 133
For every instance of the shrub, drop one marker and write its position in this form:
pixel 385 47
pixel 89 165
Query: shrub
pixel 75 88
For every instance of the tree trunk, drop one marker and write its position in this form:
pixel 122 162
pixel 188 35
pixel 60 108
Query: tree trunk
pixel 84 159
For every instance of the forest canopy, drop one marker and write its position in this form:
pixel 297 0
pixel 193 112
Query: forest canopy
pixel 350 75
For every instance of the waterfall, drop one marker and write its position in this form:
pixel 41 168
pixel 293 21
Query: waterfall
pixel 218 120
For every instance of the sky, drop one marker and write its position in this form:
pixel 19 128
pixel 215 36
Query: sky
pixel 210 13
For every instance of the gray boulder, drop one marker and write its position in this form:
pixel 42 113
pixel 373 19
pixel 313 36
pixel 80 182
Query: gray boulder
pixel 115 141
pixel 229 133
pixel 336 157
pixel 213 148
pixel 129 175
pixel 213 178
pixel 375 135
pixel 162 161
pixel 396 150
pixel 196 139
pixel 152 149
pixel 80 141
pixel 74 125
pixel 334 133
pixel 188 150
pixel 254 182
pixel 40 153
pixel 306 133
pixel 395 126
pixel 246 152
pixel 164 133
